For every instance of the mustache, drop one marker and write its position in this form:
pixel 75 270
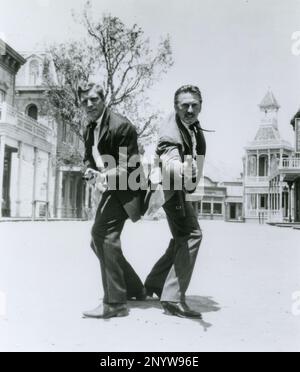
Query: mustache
pixel 92 111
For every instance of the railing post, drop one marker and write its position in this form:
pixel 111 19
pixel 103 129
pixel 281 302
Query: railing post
pixel 47 211
pixel 33 210
pixel 35 164
pixel 2 155
pixel 290 201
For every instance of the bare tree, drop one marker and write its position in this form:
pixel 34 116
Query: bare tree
pixel 129 66
pixel 119 56
pixel 73 62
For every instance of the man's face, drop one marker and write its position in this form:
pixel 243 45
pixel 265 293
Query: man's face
pixel 188 107
pixel 92 104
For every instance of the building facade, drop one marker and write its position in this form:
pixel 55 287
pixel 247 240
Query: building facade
pixel 26 150
pixel 221 201
pixel 69 189
pixel 39 175
pixel 262 157
pixel 234 211
pixel 285 180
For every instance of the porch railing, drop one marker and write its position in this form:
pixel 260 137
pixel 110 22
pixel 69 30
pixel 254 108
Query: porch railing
pixel 292 163
pixel 11 116
pixel 251 179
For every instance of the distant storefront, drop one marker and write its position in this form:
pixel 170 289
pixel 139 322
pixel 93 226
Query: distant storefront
pixel 221 201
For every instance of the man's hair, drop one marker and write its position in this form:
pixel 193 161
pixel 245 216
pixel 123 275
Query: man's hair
pixel 188 89
pixel 86 87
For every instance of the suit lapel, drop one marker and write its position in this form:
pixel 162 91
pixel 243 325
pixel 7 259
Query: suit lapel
pixel 104 126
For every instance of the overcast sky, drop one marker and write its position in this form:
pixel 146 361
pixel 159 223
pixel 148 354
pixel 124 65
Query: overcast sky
pixel 233 49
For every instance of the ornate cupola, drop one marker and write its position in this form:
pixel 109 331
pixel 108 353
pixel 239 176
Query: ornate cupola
pixel 269 108
pixel 268 132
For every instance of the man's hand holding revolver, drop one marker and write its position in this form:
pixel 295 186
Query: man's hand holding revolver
pixel 190 169
pixel 97 178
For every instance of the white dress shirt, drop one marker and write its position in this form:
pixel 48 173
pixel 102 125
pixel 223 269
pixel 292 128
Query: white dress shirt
pixel 96 154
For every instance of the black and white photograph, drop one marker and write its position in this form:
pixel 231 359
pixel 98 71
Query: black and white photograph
pixel 149 178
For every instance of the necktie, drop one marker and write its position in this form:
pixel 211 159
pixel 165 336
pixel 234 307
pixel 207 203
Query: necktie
pixel 194 135
pixel 89 138
pixel 199 138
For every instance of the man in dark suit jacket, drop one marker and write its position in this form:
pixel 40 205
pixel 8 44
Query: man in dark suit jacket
pixel 180 137
pixel 105 134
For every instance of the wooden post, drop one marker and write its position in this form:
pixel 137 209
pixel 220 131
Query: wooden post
pixel 48 187
pixel 290 201
pixel 35 161
pixel 20 169
pixel 257 165
pixel 2 155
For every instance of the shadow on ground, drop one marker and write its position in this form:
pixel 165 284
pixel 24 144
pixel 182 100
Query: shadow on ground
pixel 203 305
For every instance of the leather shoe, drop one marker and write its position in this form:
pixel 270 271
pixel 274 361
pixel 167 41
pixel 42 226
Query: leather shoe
pixel 106 311
pixel 180 309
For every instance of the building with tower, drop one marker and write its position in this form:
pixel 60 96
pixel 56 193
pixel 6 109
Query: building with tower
pixel 287 174
pixel 262 157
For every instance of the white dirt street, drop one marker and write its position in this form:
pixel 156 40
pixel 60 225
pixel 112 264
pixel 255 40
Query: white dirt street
pixel 243 283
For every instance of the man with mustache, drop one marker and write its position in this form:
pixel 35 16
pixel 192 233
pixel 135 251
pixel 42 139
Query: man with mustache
pixel 107 133
pixel 179 137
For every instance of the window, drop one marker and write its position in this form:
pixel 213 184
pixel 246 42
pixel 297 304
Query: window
pixel 264 201
pixel 34 72
pixel 64 132
pixel 206 208
pixel 252 202
pixel 297 131
pixel 77 141
pixel 72 189
pixel 32 112
pixel 90 198
pixel 63 191
pixel 252 166
pixel 2 96
pixel 217 208
pixel 274 163
pixel 72 137
pixel 263 166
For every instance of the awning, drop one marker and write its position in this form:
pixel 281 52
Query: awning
pixel 237 200
pixel 291 177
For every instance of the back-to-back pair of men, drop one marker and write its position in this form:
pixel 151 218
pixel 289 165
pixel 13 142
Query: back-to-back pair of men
pixel 180 138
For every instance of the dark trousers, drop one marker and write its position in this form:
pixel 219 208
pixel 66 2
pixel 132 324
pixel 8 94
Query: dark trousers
pixel 120 281
pixel 173 272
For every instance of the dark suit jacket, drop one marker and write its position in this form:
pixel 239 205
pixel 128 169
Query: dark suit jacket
pixel 115 132
pixel 173 145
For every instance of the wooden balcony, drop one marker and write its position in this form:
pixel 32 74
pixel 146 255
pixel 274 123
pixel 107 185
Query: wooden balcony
pixel 290 164
pixel 290 169
pixel 10 117
pixel 257 181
